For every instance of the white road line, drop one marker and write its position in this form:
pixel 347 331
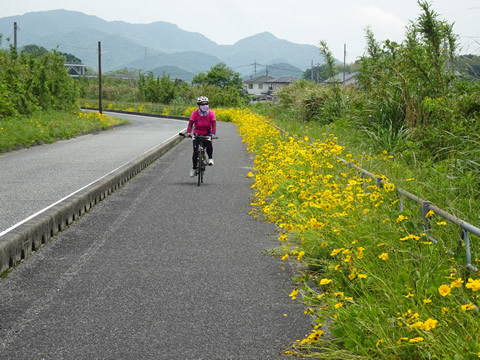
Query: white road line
pixel 73 193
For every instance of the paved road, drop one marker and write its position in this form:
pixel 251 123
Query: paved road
pixel 35 178
pixel 161 269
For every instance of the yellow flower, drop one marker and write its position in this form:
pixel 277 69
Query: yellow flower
pixel 379 342
pixel 285 257
pixel 414 237
pixel 294 294
pixel 325 281
pixel 427 301
pixel 402 339
pixel 445 310
pixel 457 283
pixel 362 276
pixel 300 255
pixel 383 256
pixel 338 305
pixel 250 175
pixel 389 187
pixel 429 213
pixel 416 339
pixel 401 218
pixel 444 290
pixel 335 251
pixel 442 223
pixel 410 179
pixel 473 284
pixel 429 324
pixel 467 307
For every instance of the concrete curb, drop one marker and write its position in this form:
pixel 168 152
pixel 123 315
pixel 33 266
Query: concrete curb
pixel 140 113
pixel 19 243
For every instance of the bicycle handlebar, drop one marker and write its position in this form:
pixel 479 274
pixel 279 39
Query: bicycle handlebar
pixel 201 137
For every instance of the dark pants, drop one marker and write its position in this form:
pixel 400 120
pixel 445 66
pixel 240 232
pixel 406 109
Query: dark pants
pixel 207 145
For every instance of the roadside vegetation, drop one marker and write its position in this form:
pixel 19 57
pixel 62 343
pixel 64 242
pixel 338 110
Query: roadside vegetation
pixel 375 283
pixel 38 100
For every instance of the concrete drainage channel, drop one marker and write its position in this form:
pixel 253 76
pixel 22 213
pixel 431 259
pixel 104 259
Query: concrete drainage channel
pixel 19 243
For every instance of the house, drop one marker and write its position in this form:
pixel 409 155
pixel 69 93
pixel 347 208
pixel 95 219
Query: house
pixel 265 88
pixel 257 86
pixel 277 84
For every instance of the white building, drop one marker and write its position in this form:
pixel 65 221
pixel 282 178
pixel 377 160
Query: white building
pixel 258 86
pixel 266 87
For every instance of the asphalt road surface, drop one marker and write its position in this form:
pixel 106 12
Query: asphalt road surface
pixel 161 269
pixel 32 179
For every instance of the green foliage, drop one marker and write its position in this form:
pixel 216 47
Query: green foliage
pixel 469 66
pixel 30 82
pixel 160 90
pixel 320 73
pixel 35 50
pixel 219 75
pixel 408 103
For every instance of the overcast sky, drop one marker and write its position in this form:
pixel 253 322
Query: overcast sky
pixel 302 21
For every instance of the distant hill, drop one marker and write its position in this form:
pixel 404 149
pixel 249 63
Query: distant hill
pixel 156 45
pixel 276 71
pixel 174 73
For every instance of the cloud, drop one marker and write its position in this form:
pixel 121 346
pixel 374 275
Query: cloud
pixel 384 21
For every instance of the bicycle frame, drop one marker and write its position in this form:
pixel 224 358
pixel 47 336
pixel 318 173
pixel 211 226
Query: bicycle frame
pixel 201 157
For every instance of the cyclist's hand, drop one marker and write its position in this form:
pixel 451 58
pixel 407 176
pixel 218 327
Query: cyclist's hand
pixel 188 135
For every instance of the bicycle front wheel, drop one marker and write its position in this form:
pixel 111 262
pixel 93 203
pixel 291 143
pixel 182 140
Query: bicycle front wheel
pixel 199 168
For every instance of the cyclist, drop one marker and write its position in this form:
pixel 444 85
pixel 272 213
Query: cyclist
pixel 202 122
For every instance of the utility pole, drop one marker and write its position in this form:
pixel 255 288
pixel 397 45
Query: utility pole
pixel 145 59
pixel 255 67
pixel 344 61
pixel 266 70
pixel 15 27
pixel 100 77
pixel 312 72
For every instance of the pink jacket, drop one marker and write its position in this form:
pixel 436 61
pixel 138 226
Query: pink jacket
pixel 202 125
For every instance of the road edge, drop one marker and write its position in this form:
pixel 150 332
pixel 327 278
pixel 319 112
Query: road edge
pixel 21 242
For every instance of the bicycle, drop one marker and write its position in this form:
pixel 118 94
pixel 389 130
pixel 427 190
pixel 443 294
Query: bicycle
pixel 202 155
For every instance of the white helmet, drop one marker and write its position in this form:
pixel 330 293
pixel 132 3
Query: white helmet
pixel 202 99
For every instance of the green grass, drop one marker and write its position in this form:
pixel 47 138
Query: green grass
pixel 47 127
pixel 370 277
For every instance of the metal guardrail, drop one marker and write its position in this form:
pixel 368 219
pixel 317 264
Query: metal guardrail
pixel 426 206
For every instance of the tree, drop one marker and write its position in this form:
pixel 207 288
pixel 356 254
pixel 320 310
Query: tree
pixel 320 73
pixel 219 75
pixel 35 50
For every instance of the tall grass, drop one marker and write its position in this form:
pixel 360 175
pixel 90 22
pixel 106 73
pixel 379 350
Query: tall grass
pixel 48 126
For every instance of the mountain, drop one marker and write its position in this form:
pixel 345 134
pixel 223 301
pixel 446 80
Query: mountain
pixel 159 45
pixel 174 72
pixel 278 70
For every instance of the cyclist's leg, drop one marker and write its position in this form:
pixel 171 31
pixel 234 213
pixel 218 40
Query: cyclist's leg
pixel 195 153
pixel 209 146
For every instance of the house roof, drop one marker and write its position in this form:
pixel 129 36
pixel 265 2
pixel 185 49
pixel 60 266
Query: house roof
pixel 283 80
pixel 259 79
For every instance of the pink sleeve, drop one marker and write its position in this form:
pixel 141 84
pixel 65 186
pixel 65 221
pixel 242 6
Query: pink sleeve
pixel 214 123
pixel 192 120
